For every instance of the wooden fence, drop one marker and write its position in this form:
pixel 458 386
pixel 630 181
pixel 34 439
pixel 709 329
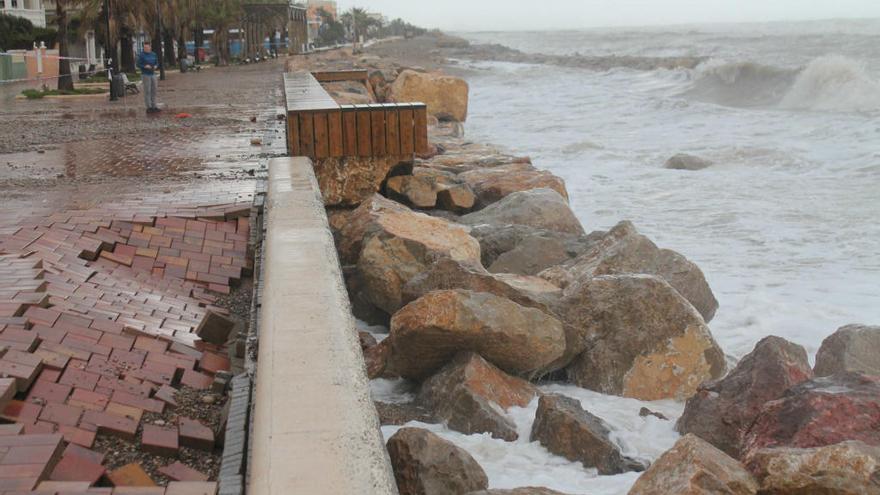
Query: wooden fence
pixel 318 127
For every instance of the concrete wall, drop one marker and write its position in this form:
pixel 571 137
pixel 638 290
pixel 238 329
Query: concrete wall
pixel 315 428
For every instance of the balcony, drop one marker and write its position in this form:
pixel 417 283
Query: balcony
pixel 36 16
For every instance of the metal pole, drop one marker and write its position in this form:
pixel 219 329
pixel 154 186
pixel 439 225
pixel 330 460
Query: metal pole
pixel 161 54
pixel 110 52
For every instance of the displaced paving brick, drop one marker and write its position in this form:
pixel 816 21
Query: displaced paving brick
pixel 168 395
pixel 78 436
pixel 160 440
pixel 87 399
pixel 181 472
pixel 110 424
pixel 130 412
pixel 137 401
pixel 195 435
pixel 21 412
pixel 61 414
pixel 196 380
pixel 49 391
pixel 213 362
pixel 79 464
pixel 130 475
pixel 215 328
pixel 79 378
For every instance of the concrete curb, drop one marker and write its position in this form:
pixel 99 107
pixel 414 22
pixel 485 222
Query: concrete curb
pixel 315 427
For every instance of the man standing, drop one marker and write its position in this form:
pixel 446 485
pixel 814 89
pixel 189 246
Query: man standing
pixel 148 62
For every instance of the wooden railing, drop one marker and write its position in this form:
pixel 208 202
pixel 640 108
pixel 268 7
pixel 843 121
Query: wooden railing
pixel 318 127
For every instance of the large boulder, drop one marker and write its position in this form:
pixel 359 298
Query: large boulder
pixel 349 181
pixel 446 274
pixel 847 468
pixel 425 464
pixel 819 412
pixel 721 411
pixel 469 395
pixel 541 208
pixel 457 198
pixel 362 223
pixel 495 240
pixel 532 256
pixel 624 250
pixel 428 332
pixel 493 184
pixel 414 190
pixel 684 161
pixel 640 338
pixel 694 467
pixel 445 96
pixel 404 245
pixel 565 429
pixel 850 348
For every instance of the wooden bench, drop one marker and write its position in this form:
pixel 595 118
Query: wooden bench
pixel 341 75
pixel 318 127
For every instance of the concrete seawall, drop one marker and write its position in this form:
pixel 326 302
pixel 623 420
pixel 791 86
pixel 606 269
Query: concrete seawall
pixel 315 428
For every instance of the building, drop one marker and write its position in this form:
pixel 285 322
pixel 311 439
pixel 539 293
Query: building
pixel 32 10
pixel 315 19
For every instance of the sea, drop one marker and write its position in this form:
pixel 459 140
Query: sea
pixel 785 223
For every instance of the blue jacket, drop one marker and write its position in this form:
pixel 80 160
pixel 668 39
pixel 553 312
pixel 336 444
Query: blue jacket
pixel 150 59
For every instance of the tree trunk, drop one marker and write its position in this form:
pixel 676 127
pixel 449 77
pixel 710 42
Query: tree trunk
pixel 170 54
pixel 181 45
pixel 65 81
pixel 127 56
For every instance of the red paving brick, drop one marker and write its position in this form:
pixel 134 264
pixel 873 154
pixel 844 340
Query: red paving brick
pixel 194 434
pixel 181 472
pixel 78 464
pixel 131 475
pixel 160 440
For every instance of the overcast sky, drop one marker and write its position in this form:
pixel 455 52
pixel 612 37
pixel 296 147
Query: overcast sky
pixel 469 15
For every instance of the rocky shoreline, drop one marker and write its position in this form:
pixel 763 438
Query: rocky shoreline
pixel 489 285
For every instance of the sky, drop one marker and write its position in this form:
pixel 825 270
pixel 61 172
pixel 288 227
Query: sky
pixel 485 15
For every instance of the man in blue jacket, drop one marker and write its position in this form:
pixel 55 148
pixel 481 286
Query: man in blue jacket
pixel 148 62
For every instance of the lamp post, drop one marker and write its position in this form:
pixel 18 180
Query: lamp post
pixel 161 53
pixel 110 52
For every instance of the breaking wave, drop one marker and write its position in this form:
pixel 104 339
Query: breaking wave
pixel 830 83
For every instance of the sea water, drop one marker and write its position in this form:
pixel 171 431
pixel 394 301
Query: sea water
pixel 784 224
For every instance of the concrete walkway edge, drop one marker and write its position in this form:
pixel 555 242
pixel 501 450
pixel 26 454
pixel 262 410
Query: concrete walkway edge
pixel 316 430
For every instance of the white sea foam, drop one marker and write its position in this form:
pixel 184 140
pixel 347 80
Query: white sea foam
pixel 834 83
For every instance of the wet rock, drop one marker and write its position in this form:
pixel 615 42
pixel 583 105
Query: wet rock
pixel 496 240
pixel 645 412
pixel 526 490
pixel 349 181
pixel 447 274
pixel 641 338
pixel 376 359
pixel 565 429
pixel 404 245
pixel 416 191
pixel 425 464
pixel 541 208
pixel 624 250
pixel 532 256
pixel 694 467
pixel 850 348
pixel 847 468
pixel 493 184
pixel 428 332
pixel 469 395
pixel 457 199
pixel 402 413
pixel 721 411
pixel 684 161
pixel 367 340
pixel 361 223
pixel 445 96
pixel 819 412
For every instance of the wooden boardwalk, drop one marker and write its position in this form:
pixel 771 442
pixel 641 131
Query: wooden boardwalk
pixel 318 127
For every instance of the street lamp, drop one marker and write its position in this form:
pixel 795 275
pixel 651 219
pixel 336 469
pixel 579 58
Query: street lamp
pixel 161 54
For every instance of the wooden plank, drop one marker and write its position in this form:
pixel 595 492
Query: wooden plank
pixel 293 139
pixel 420 124
pixel 340 75
pixel 392 130
pixel 334 128
pixel 349 131
pixel 307 134
pixel 364 129
pixel 407 140
pixel 322 139
pixel 377 119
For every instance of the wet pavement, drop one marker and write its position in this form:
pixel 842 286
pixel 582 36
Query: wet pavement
pixel 119 234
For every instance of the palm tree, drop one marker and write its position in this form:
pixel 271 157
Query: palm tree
pixel 221 15
pixel 65 79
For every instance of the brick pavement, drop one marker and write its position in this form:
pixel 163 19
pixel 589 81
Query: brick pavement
pixel 106 276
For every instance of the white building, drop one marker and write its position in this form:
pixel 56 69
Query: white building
pixel 32 10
